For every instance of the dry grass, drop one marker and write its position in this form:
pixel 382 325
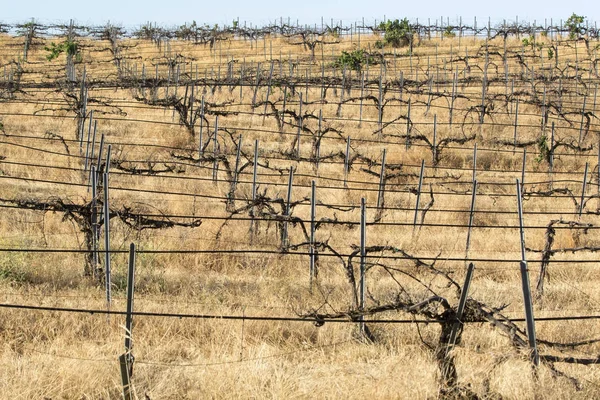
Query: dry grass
pixel 61 355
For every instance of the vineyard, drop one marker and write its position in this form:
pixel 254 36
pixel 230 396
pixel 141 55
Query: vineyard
pixel 393 209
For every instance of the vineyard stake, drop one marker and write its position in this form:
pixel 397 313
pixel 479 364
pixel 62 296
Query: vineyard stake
pixel 107 234
pixel 434 147
pixel 93 146
pixel 191 106
pixel 474 162
pixel 525 284
pixel 453 96
pixel 347 161
pixel 419 193
pixel 287 209
pixel 461 308
pixel 551 157
pixel 408 126
pixel 87 147
pixel 242 78
pixel 363 240
pixel 126 360
pixel 582 119
pixel 299 126
pixel 216 150
pixel 100 149
pixel 523 171
pixel 380 106
pixel 471 215
pixel 516 123
pixel 254 172
pixel 268 93
pixel 312 250
pixel 381 183
pixel 585 173
pixel 362 91
pixel 256 87
pixel 200 141
pixel 237 164
pixel 94 222
pixel 318 142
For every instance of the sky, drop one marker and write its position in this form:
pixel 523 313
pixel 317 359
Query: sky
pixel 133 13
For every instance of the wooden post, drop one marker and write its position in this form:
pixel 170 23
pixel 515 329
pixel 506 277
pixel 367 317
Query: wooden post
pixel 585 173
pixel 525 284
pixel 419 193
pixel 312 250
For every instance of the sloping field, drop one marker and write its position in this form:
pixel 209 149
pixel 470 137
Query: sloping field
pixel 236 160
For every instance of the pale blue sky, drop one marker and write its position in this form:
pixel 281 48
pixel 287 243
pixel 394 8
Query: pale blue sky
pixel 133 13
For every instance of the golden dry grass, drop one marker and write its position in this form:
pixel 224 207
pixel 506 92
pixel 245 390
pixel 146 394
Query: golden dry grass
pixel 63 355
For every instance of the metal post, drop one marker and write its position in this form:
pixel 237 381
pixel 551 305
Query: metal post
pixel 363 240
pixel 347 162
pixel 130 286
pixel 313 211
pixel 201 142
pixel 107 239
pixel 516 122
pixel 408 126
pixel 461 308
pixel 254 172
pixel 100 149
pixel 475 162
pixel 583 189
pixel 126 360
pixel 94 222
pixel 471 214
pixel 434 150
pixel 285 243
pixel 237 164
pixel 93 145
pixel 525 284
pixel 215 150
pixel 523 171
pixel 419 193
pixel 381 182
